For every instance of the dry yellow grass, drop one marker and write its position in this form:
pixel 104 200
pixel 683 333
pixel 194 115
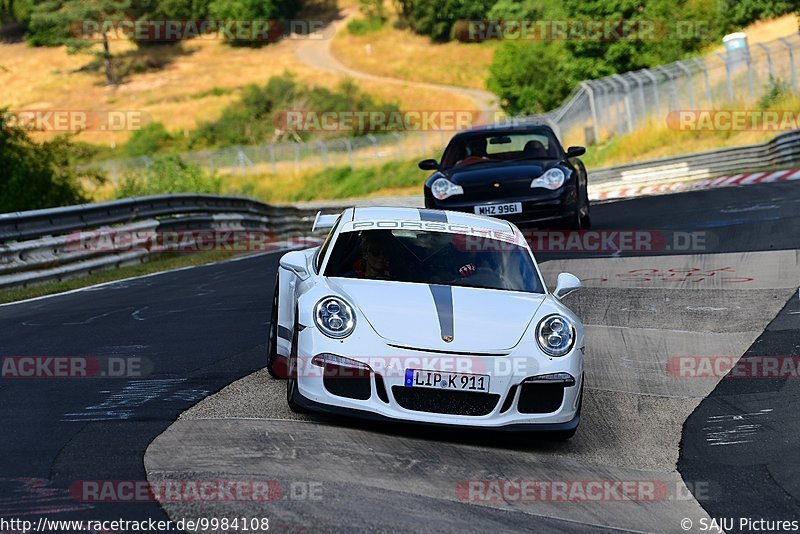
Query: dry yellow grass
pixel 408 56
pixel 768 30
pixel 48 79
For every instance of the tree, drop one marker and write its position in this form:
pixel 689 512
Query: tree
pixel 36 175
pixel 76 23
pixel 437 17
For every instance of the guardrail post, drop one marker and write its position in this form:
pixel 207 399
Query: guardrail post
pixel 640 86
pixel 673 92
pixel 689 77
pixel 790 49
pixel 702 66
pixel 626 88
pixel 654 79
pixel 349 146
pixel 750 75
pixel 727 73
pixel 769 59
pixel 375 152
pixel 603 106
pixel 593 109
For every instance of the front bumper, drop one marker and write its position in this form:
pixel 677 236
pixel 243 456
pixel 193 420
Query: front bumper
pixel 381 393
pixel 542 208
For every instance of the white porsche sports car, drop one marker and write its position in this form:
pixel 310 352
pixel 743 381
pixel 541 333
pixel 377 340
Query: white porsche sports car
pixel 426 316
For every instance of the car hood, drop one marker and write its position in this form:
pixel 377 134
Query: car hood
pixel 480 173
pixel 417 315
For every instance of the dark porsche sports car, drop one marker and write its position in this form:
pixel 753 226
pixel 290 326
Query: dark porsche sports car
pixel 520 173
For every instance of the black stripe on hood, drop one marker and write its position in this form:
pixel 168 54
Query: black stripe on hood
pixel 443 300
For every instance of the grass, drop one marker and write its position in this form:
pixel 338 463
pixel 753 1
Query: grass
pixel 190 87
pixel 395 178
pixel 657 140
pixel 166 262
pixel 403 54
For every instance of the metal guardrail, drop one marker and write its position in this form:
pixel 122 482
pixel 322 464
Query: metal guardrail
pixel 781 152
pixel 49 244
pixel 59 243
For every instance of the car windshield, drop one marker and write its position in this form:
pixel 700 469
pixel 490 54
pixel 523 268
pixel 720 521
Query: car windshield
pixel 427 257
pixel 487 147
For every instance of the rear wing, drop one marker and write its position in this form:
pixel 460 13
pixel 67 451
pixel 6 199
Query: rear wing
pixel 324 221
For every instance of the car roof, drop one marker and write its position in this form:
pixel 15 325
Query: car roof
pixel 391 213
pixel 508 127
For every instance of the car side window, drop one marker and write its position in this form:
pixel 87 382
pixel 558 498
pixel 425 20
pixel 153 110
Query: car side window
pixel 323 249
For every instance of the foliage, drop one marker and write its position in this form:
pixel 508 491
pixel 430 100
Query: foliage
pixel 36 175
pixel 258 116
pixel 372 9
pixel 777 91
pixel 168 174
pixel 437 17
pixel 148 140
pixel 363 26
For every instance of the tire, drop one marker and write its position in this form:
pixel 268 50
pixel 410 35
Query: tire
pixel 586 220
pixel 276 366
pixel 291 383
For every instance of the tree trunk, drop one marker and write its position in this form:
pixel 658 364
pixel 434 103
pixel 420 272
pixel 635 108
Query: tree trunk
pixel 107 61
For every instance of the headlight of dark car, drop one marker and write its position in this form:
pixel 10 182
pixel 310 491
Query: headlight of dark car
pixel 552 179
pixel 443 188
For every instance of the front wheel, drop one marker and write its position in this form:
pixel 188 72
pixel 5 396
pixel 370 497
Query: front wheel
pixel 291 383
pixel 276 366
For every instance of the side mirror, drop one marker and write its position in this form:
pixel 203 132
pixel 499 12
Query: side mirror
pixel 428 165
pixel 566 284
pixel 575 151
pixel 295 262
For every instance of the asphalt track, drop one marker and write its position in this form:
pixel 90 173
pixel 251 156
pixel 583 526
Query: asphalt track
pixel 205 411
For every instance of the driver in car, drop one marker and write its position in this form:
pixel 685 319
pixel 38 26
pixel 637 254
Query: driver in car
pixel 374 261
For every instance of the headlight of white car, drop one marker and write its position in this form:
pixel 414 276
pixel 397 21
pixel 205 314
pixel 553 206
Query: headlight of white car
pixel 552 179
pixel 334 317
pixel 555 335
pixel 443 188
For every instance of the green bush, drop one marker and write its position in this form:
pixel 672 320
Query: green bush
pixel 363 26
pixel 437 17
pixel 531 77
pixel 776 91
pixel 250 10
pixel 168 174
pixel 36 175
pixel 257 116
pixel 148 140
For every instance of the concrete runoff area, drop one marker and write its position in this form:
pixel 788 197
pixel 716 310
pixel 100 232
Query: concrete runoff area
pixel 633 414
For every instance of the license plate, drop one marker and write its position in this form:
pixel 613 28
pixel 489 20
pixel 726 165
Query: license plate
pixel 499 209
pixel 446 380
